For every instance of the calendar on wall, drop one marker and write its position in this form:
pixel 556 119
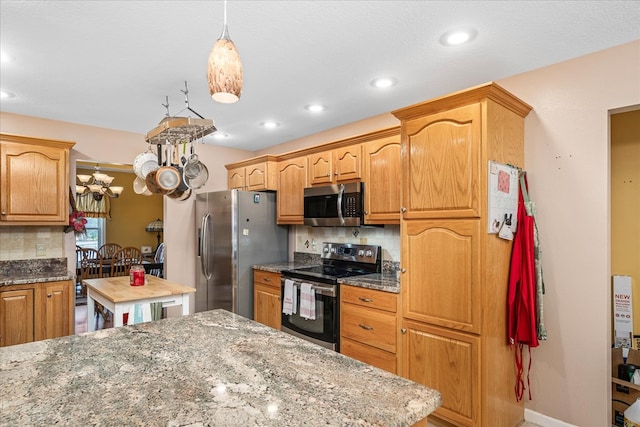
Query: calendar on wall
pixel 503 197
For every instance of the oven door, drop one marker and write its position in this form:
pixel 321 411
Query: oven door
pixel 324 329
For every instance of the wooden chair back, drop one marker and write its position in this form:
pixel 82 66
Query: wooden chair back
pixel 108 250
pixel 123 259
pixel 90 266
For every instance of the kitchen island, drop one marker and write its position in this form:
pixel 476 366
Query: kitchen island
pixel 208 369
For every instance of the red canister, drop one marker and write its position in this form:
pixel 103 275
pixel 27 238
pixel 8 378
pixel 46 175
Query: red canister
pixel 136 275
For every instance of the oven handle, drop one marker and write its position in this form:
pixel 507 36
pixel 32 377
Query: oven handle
pixel 328 290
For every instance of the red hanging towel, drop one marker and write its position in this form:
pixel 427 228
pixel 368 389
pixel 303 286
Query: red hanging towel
pixel 521 295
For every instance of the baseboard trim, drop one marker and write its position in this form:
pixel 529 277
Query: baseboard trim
pixel 543 420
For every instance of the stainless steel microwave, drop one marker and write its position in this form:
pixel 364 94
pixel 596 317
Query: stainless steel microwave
pixel 337 205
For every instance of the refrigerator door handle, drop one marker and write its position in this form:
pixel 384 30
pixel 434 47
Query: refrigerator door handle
pixel 204 246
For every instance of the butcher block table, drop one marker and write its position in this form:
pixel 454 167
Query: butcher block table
pixel 117 295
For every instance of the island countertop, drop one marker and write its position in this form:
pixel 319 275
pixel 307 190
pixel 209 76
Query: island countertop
pixel 208 369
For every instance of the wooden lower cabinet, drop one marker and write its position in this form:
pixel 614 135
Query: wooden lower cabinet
pixel 36 311
pixel 267 306
pixel 449 362
pixel 368 326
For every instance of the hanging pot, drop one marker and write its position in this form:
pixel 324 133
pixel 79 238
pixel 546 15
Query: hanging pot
pixel 152 184
pixel 168 178
pixel 140 187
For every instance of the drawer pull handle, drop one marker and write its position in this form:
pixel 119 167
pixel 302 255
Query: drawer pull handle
pixel 363 299
pixel 267 279
pixel 365 327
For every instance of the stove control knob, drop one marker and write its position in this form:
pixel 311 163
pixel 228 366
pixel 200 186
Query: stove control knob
pixel 333 250
pixel 361 252
pixel 326 250
pixel 369 253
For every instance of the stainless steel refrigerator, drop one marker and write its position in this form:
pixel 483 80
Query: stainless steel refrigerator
pixel 236 230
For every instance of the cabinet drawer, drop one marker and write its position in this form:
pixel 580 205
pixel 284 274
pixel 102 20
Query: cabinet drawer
pixel 371 355
pixel 369 298
pixel 373 327
pixel 266 278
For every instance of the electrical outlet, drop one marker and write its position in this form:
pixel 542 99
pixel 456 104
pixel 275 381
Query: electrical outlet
pixel 40 249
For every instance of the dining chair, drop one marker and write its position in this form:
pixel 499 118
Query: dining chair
pixel 108 250
pixel 158 259
pixel 123 259
pixel 91 267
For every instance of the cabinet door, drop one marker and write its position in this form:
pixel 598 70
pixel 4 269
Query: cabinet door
pixel 441 284
pixel 321 168
pixel 348 163
pixel 381 176
pixel 449 362
pixel 292 179
pixel 267 306
pixel 34 183
pixel 16 317
pixel 441 164
pixel 235 179
pixel 55 310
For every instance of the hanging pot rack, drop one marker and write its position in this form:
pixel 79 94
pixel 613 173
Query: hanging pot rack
pixel 178 130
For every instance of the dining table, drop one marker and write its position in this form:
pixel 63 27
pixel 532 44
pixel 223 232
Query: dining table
pixel 117 295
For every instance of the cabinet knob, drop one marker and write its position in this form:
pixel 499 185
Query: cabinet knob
pixel 335 173
pixel 403 330
pixel 49 295
pixel 402 270
pixel 4 213
pixel 366 212
pixel 403 209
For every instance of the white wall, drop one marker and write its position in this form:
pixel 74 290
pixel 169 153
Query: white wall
pixel 567 159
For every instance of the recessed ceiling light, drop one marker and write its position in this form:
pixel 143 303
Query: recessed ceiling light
pixel 219 135
pixel 315 108
pixel 6 95
pixel 270 124
pixel 383 82
pixel 457 37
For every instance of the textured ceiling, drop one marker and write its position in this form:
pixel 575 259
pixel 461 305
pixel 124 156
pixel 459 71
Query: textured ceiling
pixel 111 63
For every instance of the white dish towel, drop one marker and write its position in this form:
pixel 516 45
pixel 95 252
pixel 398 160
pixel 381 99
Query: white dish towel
pixel 307 301
pixel 290 302
pixel 139 313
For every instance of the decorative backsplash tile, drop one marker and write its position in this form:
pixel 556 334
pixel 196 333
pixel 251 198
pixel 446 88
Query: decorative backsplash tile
pixel 31 243
pixel 310 239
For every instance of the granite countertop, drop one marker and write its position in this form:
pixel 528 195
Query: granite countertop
pixel 208 369
pixel 20 272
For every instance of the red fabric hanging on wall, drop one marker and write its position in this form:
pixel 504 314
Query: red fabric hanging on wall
pixel 521 295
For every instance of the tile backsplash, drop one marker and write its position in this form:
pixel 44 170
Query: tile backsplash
pixel 310 239
pixel 31 242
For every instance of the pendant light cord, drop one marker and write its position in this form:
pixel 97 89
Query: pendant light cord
pixel 225 13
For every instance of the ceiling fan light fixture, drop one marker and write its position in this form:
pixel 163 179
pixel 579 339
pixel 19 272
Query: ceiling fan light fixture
pixel 224 68
pixel 220 136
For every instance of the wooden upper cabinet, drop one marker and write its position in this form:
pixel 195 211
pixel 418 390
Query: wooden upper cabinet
pixel 441 164
pixel 338 165
pixel 34 181
pixel 381 172
pixel 292 179
pixel 257 174
pixel 235 179
pixel 446 145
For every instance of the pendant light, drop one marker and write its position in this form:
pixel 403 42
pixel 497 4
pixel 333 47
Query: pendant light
pixel 225 68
